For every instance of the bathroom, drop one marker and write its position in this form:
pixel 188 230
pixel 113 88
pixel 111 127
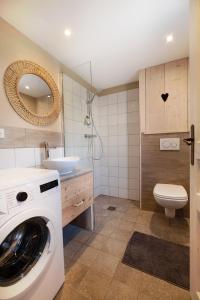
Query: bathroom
pixel 98 154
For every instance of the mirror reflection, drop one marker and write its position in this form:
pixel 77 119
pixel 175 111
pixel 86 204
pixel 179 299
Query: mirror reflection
pixel 35 94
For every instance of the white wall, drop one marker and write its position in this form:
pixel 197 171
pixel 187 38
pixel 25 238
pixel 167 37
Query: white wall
pixel 26 157
pixel 119 128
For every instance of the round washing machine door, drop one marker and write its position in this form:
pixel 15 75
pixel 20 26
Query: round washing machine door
pixel 27 243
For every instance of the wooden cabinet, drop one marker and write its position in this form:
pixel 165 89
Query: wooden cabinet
pixel 77 196
pixel 157 115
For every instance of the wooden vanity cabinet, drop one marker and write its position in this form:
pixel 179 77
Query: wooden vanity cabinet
pixel 171 115
pixel 77 196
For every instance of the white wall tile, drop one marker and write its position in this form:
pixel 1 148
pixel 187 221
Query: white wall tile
pixel 104 180
pixel 25 157
pixel 113 161
pixel 113 171
pixel 123 172
pixel 122 97
pixel 112 99
pixel 113 181
pixel 112 120
pixel 112 109
pixel 7 158
pixel 123 193
pixel 123 183
pixel 113 191
pixel 104 190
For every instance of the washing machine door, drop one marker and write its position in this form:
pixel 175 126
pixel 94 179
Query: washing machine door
pixel 25 250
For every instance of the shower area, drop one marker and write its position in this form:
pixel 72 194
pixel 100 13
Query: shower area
pixel 105 133
pixel 80 115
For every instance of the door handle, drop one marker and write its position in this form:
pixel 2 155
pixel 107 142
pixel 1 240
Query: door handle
pixel 190 142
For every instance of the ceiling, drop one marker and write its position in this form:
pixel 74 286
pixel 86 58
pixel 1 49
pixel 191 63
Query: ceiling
pixel 119 37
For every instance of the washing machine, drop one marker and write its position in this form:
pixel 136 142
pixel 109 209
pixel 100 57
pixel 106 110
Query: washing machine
pixel 31 243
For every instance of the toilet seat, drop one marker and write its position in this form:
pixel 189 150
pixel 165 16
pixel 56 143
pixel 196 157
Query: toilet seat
pixel 170 192
pixel 170 199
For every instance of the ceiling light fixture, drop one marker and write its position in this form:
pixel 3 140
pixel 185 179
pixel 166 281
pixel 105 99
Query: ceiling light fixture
pixel 27 87
pixel 67 32
pixel 169 38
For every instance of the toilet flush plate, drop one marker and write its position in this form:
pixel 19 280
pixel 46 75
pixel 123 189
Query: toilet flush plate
pixel 170 144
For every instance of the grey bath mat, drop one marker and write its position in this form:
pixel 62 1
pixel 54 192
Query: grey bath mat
pixel 160 258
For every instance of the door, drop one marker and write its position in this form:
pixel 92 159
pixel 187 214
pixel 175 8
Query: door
pixel 21 249
pixel 27 245
pixel 194 74
pixel 155 108
pixel 176 106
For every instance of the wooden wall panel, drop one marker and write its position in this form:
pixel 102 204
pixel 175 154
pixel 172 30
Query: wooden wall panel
pixel 162 167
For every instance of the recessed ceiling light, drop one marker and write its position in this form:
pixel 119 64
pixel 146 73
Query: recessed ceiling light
pixel 169 38
pixel 27 87
pixel 67 32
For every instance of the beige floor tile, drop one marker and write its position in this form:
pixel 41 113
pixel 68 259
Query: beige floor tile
pixel 114 247
pixel 144 296
pixel 87 256
pixel 120 291
pixel 107 230
pixel 94 285
pixel 71 248
pixel 76 274
pixel 178 293
pixel 155 287
pixel 70 252
pixel 131 215
pixel 106 264
pixel 83 236
pixel 126 225
pixel 143 228
pixel 69 293
pixel 92 260
pixel 121 235
pixel 129 276
pixel 97 241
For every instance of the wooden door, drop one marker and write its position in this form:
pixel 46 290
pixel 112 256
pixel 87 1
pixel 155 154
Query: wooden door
pixel 195 169
pixel 154 108
pixel 176 106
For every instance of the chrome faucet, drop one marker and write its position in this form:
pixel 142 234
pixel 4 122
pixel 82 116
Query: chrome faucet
pixel 46 147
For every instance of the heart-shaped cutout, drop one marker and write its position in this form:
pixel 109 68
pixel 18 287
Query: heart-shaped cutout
pixel 164 96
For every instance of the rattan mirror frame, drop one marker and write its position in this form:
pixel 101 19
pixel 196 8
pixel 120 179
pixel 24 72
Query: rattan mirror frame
pixel 12 76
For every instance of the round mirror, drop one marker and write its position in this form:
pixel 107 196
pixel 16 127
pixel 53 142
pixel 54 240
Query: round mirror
pixel 32 92
pixel 35 94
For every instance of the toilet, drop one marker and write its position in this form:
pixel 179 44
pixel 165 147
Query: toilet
pixel 171 197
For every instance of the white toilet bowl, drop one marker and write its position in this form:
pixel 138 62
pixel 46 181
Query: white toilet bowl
pixel 171 197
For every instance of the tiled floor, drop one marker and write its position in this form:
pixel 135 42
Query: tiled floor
pixel 92 259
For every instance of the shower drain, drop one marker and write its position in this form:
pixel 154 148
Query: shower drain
pixel 111 208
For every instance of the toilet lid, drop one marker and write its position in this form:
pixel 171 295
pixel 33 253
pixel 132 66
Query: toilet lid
pixel 170 191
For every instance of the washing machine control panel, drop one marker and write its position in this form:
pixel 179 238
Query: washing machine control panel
pixel 18 196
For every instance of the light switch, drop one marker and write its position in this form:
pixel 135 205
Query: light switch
pixel 170 144
pixel 2 133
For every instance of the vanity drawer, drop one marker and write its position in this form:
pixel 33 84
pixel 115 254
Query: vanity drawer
pixel 77 196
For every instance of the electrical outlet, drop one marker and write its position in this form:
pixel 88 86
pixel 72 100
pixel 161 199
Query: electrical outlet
pixel 2 133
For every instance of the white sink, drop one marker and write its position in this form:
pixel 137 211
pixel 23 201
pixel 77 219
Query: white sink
pixel 63 165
